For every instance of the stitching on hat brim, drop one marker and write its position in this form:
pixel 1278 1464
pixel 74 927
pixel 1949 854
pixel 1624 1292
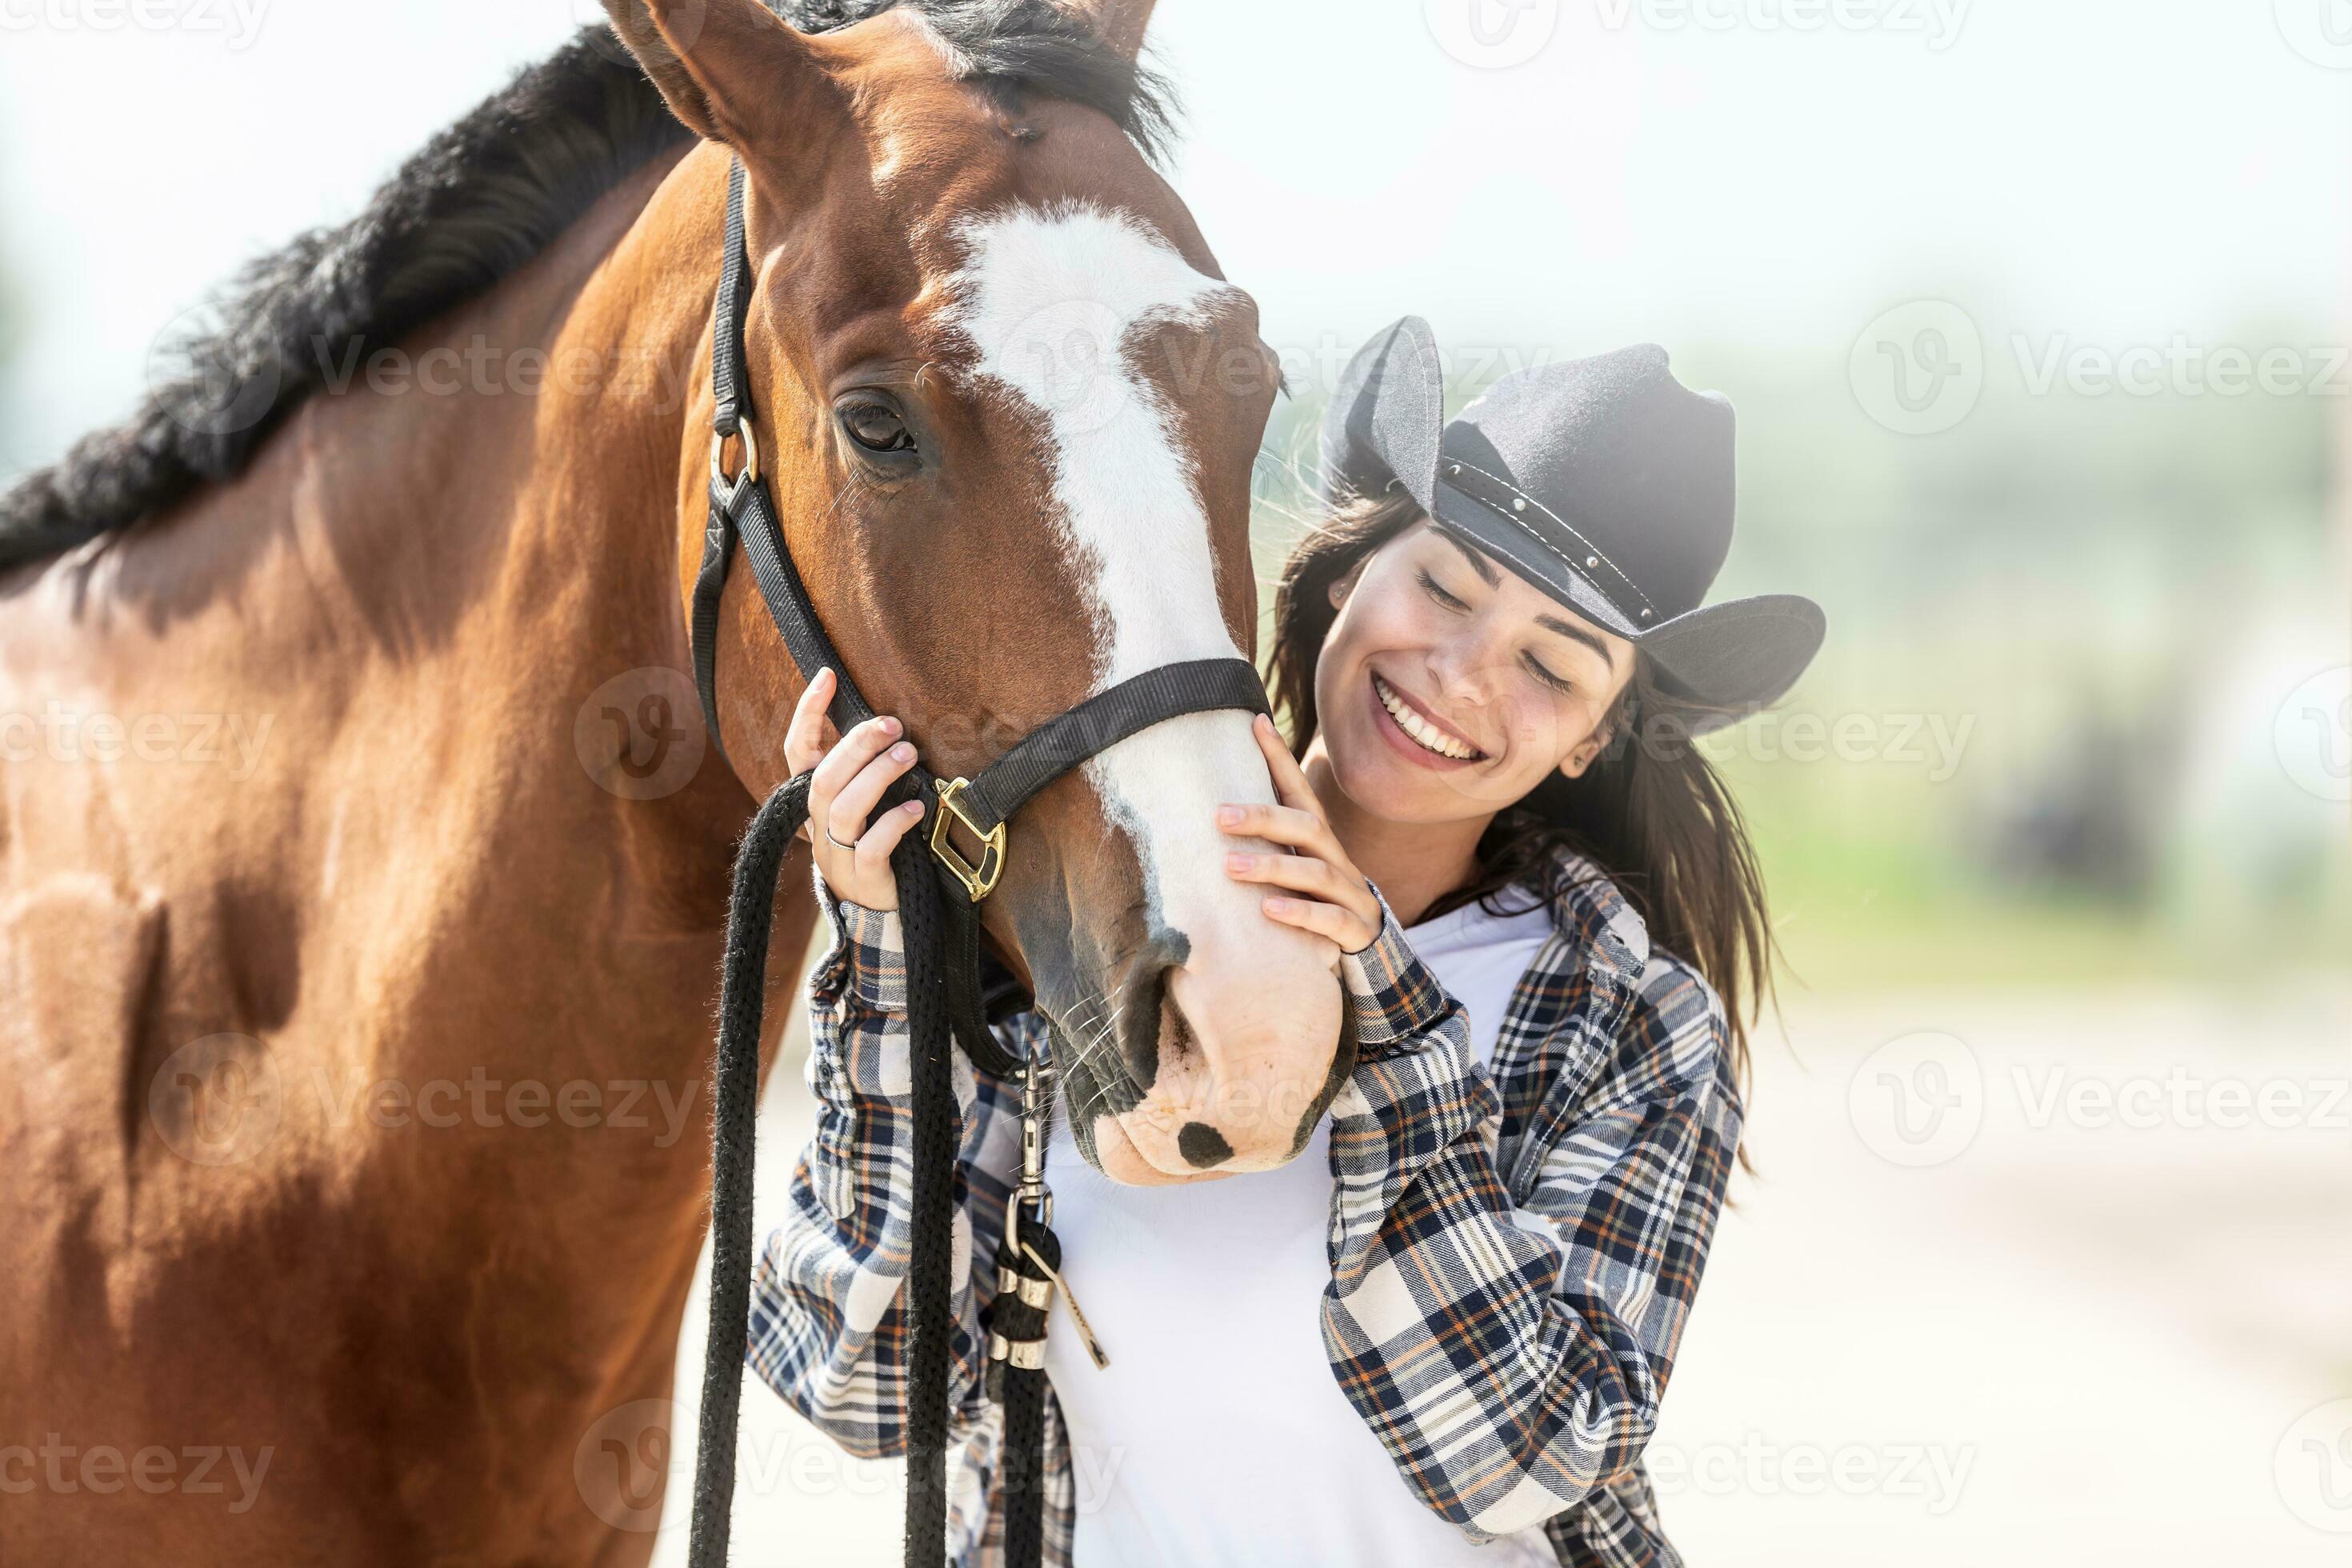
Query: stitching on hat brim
pixel 1536 574
pixel 1537 502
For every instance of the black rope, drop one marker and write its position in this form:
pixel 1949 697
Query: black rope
pixel 742 1013
pixel 742 1006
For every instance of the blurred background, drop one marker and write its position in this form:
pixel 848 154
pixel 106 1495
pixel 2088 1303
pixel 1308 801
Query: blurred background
pixel 2036 320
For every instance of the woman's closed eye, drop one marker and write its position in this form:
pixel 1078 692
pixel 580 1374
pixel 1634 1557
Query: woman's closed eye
pixel 1436 589
pixel 1558 683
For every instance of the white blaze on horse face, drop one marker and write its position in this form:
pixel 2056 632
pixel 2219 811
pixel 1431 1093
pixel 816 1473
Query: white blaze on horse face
pixel 1056 304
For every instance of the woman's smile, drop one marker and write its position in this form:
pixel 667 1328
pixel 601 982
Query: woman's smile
pixel 1417 734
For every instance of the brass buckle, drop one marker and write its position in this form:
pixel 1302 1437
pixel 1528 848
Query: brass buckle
pixel 978 881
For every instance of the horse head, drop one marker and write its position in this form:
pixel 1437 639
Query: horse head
pixel 1010 410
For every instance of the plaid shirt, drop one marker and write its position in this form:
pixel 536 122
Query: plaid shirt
pixel 1514 1252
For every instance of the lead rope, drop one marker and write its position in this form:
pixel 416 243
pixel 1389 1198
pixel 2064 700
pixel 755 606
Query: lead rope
pixel 1028 1259
pixel 743 1000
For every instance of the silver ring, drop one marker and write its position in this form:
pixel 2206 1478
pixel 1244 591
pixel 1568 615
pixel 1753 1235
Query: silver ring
pixel 837 844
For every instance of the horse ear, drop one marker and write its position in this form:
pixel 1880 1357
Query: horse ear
pixel 1119 22
pixel 726 68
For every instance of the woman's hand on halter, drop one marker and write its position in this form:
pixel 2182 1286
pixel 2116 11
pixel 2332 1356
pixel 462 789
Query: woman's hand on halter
pixel 851 772
pixel 1323 891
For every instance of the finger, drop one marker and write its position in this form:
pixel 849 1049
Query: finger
pixel 842 764
pixel 1314 878
pixel 874 846
pixel 849 809
pixel 1285 825
pixel 811 731
pixel 1290 785
pixel 1343 930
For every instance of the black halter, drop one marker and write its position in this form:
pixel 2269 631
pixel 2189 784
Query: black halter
pixel 940 884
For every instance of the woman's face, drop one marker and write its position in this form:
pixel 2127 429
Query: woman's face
pixel 1448 687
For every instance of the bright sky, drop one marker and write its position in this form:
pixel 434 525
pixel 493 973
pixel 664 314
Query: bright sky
pixel 1558 176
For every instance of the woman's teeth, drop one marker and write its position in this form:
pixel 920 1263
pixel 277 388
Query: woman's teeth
pixel 1425 735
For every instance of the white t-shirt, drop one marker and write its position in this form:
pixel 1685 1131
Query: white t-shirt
pixel 1218 1435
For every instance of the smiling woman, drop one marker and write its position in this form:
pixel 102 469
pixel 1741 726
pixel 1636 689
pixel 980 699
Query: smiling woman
pixel 1506 1213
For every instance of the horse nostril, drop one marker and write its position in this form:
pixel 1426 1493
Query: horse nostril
pixel 1143 1004
pixel 1202 1146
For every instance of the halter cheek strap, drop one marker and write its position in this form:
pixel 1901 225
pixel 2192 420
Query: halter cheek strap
pixel 942 876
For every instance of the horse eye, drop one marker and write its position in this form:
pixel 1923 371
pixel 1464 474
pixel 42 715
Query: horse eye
pixel 876 426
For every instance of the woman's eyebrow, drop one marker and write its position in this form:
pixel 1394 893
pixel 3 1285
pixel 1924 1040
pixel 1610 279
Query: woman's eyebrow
pixel 1478 563
pixel 1577 634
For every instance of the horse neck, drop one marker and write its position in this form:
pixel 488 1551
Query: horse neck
pixel 546 916
pixel 602 822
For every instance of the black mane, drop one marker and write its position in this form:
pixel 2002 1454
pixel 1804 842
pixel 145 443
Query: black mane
pixel 478 201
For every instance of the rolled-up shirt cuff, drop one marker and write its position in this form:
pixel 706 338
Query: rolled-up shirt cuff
pixel 1394 995
pixel 867 964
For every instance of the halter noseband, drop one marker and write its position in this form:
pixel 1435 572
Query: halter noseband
pixel 939 891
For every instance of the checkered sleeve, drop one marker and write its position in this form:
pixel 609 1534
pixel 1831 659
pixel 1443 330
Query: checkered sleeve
pixel 1511 1357
pixel 828 1330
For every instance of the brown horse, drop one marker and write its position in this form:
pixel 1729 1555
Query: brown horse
pixel 361 860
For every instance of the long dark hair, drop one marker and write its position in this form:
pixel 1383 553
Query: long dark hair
pixel 1651 812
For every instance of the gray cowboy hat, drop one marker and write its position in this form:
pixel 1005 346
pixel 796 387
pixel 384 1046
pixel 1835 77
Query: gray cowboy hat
pixel 1604 481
